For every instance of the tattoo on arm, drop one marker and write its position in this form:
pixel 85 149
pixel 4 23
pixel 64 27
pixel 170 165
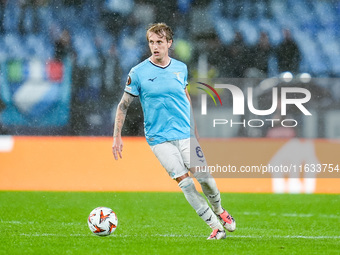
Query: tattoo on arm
pixel 121 113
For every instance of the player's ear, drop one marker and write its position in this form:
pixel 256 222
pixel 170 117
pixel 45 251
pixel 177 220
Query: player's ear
pixel 169 43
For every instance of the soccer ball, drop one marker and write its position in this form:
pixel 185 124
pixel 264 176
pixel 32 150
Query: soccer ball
pixel 102 221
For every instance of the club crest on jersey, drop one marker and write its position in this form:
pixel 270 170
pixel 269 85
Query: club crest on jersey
pixel 177 75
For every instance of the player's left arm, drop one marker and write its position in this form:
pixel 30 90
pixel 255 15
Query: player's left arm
pixel 188 96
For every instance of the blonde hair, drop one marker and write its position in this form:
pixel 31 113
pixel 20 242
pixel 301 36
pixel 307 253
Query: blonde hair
pixel 161 29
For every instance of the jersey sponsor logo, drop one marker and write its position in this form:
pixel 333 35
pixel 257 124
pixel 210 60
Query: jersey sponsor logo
pixel 152 79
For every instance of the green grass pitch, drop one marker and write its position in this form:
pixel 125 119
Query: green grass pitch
pixel 163 223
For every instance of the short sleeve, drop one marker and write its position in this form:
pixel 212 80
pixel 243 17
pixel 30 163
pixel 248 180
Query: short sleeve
pixel 186 77
pixel 132 85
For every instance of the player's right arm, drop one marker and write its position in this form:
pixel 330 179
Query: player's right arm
pixel 122 108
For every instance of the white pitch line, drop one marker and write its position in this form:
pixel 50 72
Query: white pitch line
pixel 286 237
pixel 181 236
pixel 50 234
pixel 192 236
pixel 300 215
pixel 253 237
pixel 297 215
pixel 35 222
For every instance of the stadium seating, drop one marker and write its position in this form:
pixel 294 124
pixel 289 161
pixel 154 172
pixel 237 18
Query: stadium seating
pixel 314 19
pixel 314 24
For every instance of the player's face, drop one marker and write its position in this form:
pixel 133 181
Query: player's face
pixel 159 48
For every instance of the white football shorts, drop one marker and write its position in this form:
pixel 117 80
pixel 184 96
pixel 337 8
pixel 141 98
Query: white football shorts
pixel 178 156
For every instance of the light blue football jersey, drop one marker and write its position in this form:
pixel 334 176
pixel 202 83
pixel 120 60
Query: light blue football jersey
pixel 162 94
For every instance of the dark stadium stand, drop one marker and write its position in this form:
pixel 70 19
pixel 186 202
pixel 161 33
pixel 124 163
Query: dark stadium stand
pixel 104 45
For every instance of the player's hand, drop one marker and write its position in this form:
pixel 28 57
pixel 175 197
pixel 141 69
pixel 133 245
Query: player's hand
pixel 117 147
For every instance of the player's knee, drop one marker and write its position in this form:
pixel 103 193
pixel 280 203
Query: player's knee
pixel 184 176
pixel 186 182
pixel 202 177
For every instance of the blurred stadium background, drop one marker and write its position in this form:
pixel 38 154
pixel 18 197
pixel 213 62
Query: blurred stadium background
pixel 64 63
pixel 63 66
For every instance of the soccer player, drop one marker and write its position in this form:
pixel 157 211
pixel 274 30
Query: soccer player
pixel 160 83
